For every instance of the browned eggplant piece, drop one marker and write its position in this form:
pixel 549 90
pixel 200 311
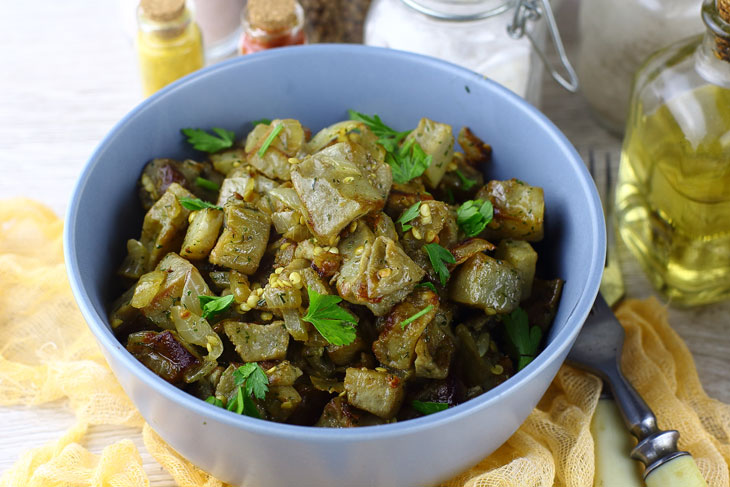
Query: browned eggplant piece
pixel 255 342
pixel 395 348
pixel 202 233
pixel 338 185
pixel 378 276
pixel 519 210
pixel 543 302
pixel 469 247
pixel 486 283
pixel 403 196
pixel 164 354
pixel 476 151
pixel 163 231
pixel 339 414
pixel 478 360
pixel 159 174
pixel 434 350
pixel 437 140
pixel 375 391
pixel 520 255
pixel 243 241
pixel 274 162
pixel 281 402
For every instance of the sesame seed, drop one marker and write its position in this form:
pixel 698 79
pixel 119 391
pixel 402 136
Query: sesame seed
pixel 318 250
pixel 259 291
pixel 302 220
pixel 430 236
pixel 285 245
pixel 497 369
pixel 295 278
pixel 244 307
pixel 425 210
pixel 272 369
pixel 359 250
pixel 381 369
pixel 416 233
pixel 251 301
pixel 279 270
pixel 293 160
pixel 348 180
pixel 266 316
pixel 353 226
pixel 334 250
pixel 383 273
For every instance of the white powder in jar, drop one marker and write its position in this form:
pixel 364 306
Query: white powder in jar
pixel 482 46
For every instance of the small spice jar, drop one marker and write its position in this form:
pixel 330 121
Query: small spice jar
pixel 271 23
pixel 169 43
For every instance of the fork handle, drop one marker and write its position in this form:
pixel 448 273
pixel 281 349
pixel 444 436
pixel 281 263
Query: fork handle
pixel 680 471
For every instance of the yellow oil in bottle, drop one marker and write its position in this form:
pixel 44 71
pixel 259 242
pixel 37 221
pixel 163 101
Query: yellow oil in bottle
pixel 673 196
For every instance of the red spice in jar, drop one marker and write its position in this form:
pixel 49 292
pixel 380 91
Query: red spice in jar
pixel 272 23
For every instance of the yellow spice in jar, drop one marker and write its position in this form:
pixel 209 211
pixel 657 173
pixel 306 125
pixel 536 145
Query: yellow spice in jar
pixel 167 50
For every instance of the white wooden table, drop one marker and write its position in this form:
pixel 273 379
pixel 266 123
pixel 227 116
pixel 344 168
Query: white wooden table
pixel 68 74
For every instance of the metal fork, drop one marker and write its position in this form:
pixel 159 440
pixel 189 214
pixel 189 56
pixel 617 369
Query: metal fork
pixel 612 282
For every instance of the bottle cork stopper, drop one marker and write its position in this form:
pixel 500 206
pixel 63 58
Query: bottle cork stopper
pixel 162 10
pixel 272 15
pixel 723 6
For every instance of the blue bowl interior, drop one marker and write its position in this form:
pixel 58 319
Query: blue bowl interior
pixel 316 85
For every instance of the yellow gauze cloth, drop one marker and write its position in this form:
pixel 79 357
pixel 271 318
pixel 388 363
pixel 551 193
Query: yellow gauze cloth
pixel 47 354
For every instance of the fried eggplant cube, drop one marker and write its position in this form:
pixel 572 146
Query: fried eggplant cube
pixel 486 283
pixel 244 238
pixel 374 391
pixel 258 342
pixel 519 210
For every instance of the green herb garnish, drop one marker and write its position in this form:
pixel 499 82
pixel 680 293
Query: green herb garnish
pixel 407 162
pixel 272 135
pixel 253 378
pixel 214 401
pixel 425 407
pixel 439 257
pixel 526 339
pixel 335 324
pixel 466 182
pixel 207 184
pixel 195 204
pixel 250 379
pixel 387 137
pixel 212 305
pixel 264 121
pixel 428 285
pixel 414 317
pixel 203 141
pixel 474 215
pixel 409 215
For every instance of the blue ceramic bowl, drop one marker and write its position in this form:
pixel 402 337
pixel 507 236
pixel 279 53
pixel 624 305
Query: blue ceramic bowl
pixel 317 84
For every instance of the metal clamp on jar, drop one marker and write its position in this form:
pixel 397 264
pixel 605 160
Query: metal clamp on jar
pixel 501 39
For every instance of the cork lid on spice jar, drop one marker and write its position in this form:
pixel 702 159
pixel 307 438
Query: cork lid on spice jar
pixel 272 15
pixel 162 10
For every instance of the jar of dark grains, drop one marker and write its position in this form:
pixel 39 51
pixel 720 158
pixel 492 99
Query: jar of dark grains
pixel 335 20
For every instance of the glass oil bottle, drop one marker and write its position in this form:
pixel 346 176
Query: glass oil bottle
pixel 673 196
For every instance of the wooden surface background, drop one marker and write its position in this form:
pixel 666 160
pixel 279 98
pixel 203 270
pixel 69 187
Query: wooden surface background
pixel 69 73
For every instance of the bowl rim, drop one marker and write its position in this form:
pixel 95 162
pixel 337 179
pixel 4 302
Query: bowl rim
pixel 557 346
